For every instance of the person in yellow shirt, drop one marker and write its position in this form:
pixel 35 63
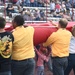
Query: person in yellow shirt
pixel 59 42
pixel 6 40
pixel 23 48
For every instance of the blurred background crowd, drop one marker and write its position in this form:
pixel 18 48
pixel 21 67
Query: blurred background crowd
pixel 39 10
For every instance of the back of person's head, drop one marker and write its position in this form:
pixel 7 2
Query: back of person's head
pixel 73 31
pixel 63 22
pixel 19 20
pixel 2 22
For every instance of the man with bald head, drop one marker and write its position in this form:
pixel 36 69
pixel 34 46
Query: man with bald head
pixel 59 42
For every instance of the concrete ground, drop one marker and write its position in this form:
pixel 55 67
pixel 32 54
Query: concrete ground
pixel 47 72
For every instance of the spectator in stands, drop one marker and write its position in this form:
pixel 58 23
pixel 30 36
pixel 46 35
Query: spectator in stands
pixel 37 14
pixel 27 2
pixel 64 15
pixel 24 10
pixel 47 1
pixel 57 7
pixel 59 42
pixel 52 6
pixel 10 9
pixel 63 7
pixel 14 1
pixel 42 14
pixel 20 2
pixel 40 3
pixel 68 6
pixel 57 15
pixel 27 16
pixel 6 40
pixel 72 2
pixel 32 3
pixel 61 13
pixel 20 9
pixel 71 58
pixel 23 48
pixel 1 2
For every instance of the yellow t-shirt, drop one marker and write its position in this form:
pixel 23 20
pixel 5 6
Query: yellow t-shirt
pixel 59 42
pixel 23 43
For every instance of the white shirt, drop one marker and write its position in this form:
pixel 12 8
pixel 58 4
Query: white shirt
pixel 52 6
pixel 72 45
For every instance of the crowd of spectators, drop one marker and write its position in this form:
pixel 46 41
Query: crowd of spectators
pixel 61 10
pixel 58 9
pixel 29 3
pixel 28 14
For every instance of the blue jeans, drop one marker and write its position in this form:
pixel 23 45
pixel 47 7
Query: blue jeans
pixel 23 67
pixel 6 73
pixel 59 65
pixel 49 64
pixel 71 64
pixel 40 70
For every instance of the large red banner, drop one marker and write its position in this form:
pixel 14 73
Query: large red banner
pixel 42 30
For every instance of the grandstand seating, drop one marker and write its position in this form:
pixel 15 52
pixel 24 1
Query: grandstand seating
pixel 46 10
